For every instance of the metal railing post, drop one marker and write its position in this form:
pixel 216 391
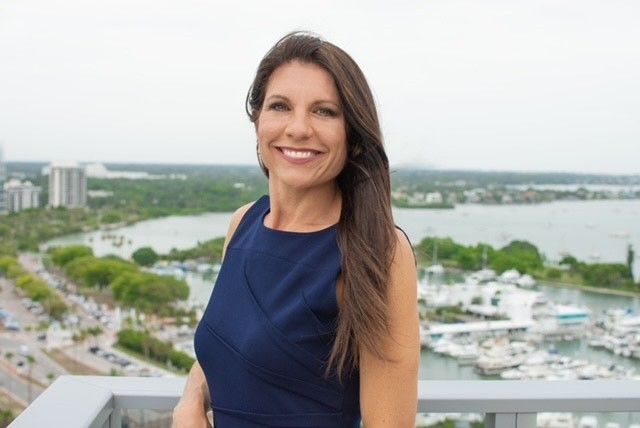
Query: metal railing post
pixel 526 420
pixel 115 419
pixel 500 420
pixel 510 420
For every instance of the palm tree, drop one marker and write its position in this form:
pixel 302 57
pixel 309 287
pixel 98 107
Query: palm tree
pixel 78 338
pixel 30 361
pixel 9 356
pixel 94 332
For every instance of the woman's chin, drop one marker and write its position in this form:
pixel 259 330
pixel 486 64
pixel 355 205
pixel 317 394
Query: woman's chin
pixel 297 182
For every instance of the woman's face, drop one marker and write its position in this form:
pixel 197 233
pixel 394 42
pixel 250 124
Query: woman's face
pixel 301 127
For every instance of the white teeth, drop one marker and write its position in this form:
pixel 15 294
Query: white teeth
pixel 297 153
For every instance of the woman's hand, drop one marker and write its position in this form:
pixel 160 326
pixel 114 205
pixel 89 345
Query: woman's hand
pixel 191 410
pixel 190 415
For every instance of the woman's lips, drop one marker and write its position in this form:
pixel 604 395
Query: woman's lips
pixel 299 156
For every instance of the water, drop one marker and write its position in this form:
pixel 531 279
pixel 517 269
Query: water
pixel 590 230
pixel 578 227
pixel 161 234
pixel 585 229
pixel 440 367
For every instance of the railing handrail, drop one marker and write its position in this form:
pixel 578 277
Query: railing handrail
pixel 91 401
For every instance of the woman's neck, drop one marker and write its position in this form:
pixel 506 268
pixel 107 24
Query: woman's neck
pixel 303 210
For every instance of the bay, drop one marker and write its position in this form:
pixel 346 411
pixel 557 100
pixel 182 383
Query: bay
pixel 589 230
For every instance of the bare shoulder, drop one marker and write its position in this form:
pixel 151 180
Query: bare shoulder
pixel 402 301
pixel 236 217
pixel 404 250
pixel 403 261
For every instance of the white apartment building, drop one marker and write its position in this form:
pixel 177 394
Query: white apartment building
pixel 67 185
pixel 21 196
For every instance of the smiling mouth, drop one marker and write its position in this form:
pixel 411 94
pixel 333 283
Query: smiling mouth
pixel 298 154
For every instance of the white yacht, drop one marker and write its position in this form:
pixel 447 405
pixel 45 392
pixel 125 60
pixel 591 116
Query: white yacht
pixel 510 276
pixel 436 269
pixel 526 281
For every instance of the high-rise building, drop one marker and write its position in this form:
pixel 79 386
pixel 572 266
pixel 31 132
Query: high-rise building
pixel 3 178
pixel 67 185
pixel 21 196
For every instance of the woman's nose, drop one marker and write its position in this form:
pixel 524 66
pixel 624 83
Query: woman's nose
pixel 299 127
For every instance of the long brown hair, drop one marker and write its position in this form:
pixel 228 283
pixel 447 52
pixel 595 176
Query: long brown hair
pixel 366 234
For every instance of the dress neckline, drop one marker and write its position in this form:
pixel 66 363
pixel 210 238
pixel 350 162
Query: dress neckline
pixel 267 210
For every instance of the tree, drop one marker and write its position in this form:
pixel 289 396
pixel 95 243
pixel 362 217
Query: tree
pixel 78 338
pixel 9 356
pixel 570 261
pixel 148 292
pixel 63 255
pixel 610 275
pixel 6 416
pixel 145 256
pixel 94 332
pixel 92 271
pixel 630 258
pixel 30 362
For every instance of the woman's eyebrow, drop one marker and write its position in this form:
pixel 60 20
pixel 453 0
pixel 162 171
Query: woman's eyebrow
pixel 282 97
pixel 315 103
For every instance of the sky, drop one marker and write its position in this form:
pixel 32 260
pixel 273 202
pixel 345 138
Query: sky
pixel 549 85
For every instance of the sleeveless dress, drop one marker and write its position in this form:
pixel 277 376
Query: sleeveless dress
pixel 268 328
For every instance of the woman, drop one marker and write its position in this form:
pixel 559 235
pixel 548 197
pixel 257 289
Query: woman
pixel 313 320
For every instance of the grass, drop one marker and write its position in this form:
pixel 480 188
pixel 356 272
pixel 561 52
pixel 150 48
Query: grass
pixel 7 402
pixel 148 360
pixel 72 366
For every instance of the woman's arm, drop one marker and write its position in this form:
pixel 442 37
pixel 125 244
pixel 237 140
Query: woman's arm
pixel 192 408
pixel 193 405
pixel 389 389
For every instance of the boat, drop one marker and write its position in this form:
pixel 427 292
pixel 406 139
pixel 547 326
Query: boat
pixel 510 276
pixel 526 281
pixel 490 366
pixel 483 275
pixel 435 270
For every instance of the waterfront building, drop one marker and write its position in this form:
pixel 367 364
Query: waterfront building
pixel 3 177
pixel 67 185
pixel 21 195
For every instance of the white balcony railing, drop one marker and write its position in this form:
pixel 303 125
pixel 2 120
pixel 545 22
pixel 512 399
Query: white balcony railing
pixel 99 402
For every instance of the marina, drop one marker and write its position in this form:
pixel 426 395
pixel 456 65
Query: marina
pixel 510 328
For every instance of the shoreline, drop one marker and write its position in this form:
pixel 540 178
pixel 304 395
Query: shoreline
pixel 621 293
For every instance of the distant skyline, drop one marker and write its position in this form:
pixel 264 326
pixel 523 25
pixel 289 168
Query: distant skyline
pixel 494 85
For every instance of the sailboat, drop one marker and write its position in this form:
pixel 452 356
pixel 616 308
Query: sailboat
pixel 435 268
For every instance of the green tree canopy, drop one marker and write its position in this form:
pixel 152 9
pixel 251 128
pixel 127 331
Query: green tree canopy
pixel 63 255
pixel 145 256
pixel 148 292
pixel 101 272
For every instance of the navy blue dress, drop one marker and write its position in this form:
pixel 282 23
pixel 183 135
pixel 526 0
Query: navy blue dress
pixel 266 334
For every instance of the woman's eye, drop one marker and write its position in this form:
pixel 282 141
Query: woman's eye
pixel 326 112
pixel 278 107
